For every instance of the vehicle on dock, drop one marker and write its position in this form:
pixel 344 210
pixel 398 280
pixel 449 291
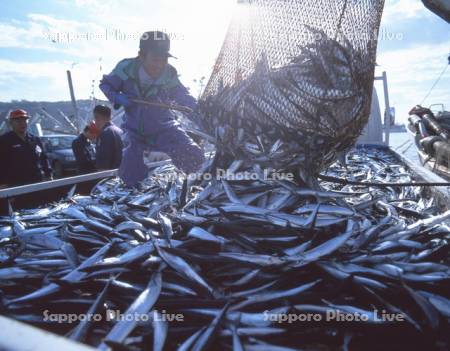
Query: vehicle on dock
pixel 60 154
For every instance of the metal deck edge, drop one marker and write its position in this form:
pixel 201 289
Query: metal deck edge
pixel 32 188
pixel 421 173
pixel 18 336
pixel 441 193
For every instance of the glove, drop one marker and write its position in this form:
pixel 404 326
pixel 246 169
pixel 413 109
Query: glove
pixel 121 100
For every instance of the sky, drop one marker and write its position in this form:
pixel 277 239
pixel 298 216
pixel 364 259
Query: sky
pixel 41 40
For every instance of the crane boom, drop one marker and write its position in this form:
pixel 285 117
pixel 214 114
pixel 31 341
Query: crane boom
pixel 439 7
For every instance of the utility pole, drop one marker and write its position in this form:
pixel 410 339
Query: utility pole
pixel 74 102
pixel 387 109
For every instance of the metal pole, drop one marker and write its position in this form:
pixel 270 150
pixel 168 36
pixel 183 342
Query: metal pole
pixel 72 97
pixel 387 112
pixel 48 115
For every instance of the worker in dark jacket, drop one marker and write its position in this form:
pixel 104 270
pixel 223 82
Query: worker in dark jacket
pixel 84 150
pixel 109 144
pixel 22 156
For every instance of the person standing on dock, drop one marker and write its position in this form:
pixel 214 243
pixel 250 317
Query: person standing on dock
pixel 22 155
pixel 149 78
pixel 109 145
pixel 84 150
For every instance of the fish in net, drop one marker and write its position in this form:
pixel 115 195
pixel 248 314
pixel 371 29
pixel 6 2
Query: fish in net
pixel 291 87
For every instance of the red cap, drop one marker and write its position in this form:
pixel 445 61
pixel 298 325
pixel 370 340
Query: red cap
pixel 94 129
pixel 18 114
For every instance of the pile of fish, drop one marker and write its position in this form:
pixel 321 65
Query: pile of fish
pixel 300 114
pixel 239 263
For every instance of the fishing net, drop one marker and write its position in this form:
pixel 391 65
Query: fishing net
pixel 292 84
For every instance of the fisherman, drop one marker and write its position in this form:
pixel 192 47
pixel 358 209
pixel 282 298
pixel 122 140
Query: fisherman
pixel 149 77
pixel 84 150
pixel 109 143
pixel 22 156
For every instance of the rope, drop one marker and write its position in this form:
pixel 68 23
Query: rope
pixel 403 144
pixel 341 17
pixel 162 105
pixel 435 83
pixel 406 149
pixel 381 185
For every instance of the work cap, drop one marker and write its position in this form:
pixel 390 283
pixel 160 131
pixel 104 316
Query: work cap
pixel 18 114
pixel 94 129
pixel 156 42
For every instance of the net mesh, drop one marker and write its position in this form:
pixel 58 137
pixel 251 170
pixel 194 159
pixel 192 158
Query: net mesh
pixel 292 83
